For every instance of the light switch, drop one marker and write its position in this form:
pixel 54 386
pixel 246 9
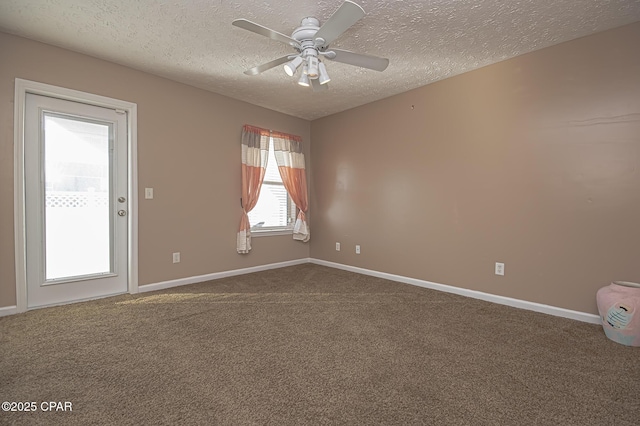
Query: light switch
pixel 148 193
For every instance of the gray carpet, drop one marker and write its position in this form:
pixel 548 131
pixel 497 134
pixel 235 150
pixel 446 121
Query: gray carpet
pixel 312 345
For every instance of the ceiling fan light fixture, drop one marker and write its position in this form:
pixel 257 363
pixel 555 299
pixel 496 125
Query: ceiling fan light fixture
pixel 324 75
pixel 313 67
pixel 291 67
pixel 304 78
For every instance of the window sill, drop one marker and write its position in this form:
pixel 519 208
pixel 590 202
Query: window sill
pixel 271 232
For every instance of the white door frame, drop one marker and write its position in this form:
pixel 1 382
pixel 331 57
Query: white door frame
pixel 22 88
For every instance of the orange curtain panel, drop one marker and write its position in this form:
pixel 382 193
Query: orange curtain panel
pixel 290 159
pixel 255 149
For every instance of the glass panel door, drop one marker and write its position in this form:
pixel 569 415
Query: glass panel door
pixel 78 228
pixel 76 201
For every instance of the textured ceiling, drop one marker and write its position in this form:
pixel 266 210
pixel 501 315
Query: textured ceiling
pixel 193 41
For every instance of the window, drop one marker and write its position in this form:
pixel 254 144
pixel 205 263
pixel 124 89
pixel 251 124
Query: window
pixel 275 211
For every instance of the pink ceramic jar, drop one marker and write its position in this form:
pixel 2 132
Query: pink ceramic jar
pixel 619 306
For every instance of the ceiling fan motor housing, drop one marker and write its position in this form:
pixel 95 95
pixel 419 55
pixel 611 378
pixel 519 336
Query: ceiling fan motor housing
pixel 307 29
pixel 305 35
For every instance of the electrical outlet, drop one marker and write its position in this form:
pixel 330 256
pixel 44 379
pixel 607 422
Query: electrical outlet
pixel 337 246
pixel 357 249
pixel 499 268
pixel 176 257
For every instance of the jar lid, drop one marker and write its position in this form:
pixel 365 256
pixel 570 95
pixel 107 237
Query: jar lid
pixel 627 284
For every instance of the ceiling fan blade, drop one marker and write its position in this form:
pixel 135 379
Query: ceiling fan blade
pixel 346 15
pixel 259 29
pixel 358 59
pixel 317 87
pixel 262 68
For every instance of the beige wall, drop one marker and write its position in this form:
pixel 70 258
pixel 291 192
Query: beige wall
pixel 534 162
pixel 188 151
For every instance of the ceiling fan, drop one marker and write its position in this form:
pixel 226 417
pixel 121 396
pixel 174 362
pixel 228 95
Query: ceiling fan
pixel 311 42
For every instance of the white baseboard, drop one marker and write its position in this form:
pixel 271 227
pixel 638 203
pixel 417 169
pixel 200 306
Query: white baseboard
pixel 8 310
pixel 217 275
pixel 516 303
